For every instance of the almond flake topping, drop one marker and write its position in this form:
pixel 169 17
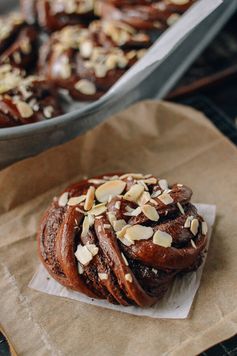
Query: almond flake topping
pixel 92 248
pixel 193 244
pixel 125 260
pixel 62 201
pixel 111 217
pixel 134 212
pixel 165 198
pixel 150 212
pixel 113 188
pixel 194 226
pixel 103 276
pixel 163 184
pixel 118 224
pixel 144 198
pixel 85 227
pixel 133 175
pixel 76 200
pixel 84 255
pixel 180 2
pixel 90 195
pixel 107 226
pixel 96 181
pixel 187 223
pixel 98 209
pixel 122 232
pixel 162 238
pixel 156 194
pixel 128 277
pixel 138 232
pixel 204 228
pixel 24 109
pixel 85 87
pixel 134 193
pixel 181 208
pixel 80 269
pixel 117 205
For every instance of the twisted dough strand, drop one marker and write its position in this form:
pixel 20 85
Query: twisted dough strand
pixel 122 237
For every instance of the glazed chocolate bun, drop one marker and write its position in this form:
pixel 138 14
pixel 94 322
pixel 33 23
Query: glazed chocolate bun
pixel 76 62
pixel 55 14
pixel 143 15
pixel 23 52
pixel 9 29
pixel 25 100
pixel 122 237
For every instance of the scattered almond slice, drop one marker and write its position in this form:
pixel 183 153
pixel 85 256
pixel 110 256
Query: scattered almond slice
pixel 165 198
pixel 122 232
pixel 163 184
pixel 83 255
pixel 156 194
pixel 103 276
pixel 138 232
pixel 125 241
pixel 113 188
pixel 180 185
pixel 193 244
pixel 90 196
pixel 134 193
pixel 144 198
pixel 150 212
pixel 98 209
pixel 125 260
pixel 187 223
pixel 162 238
pixel 63 199
pixel 143 183
pixel 80 211
pixel 180 2
pixel 128 277
pixel 204 228
pixel 117 205
pixel 76 200
pixel 151 180
pixel 85 227
pixel 153 201
pixel 80 269
pixel 133 175
pixel 107 226
pixel 134 212
pixel 91 219
pixel 194 226
pixel 181 208
pixel 111 217
pixel 97 181
pixel 118 224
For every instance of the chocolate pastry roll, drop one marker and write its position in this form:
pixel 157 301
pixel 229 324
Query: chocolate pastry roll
pixel 55 14
pixel 22 53
pixel 122 237
pixel 77 63
pixel 141 15
pixel 9 27
pixel 25 100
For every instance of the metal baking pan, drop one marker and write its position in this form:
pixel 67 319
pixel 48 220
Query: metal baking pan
pixel 154 82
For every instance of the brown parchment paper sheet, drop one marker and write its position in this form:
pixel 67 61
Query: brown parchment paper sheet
pixel 164 139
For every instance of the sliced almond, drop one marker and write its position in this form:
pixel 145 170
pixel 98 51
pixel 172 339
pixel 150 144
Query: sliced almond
pixel 98 209
pixel 150 212
pixel 86 87
pixel 194 226
pixel 187 223
pixel 134 212
pixel 86 48
pixel 163 184
pixel 156 194
pixel 180 185
pixel 122 232
pixel 111 217
pixel 76 200
pixel 128 277
pixel 125 260
pixel 117 205
pixel 165 198
pixel 24 109
pixel 83 255
pixel 125 241
pixel 80 269
pixel 172 19
pixel 179 2
pixel 144 198
pixel 204 228
pixel 180 208
pixel 90 196
pixel 97 181
pixel 63 199
pixel 111 188
pixel 91 219
pixel 162 238
pixel 151 180
pixel 193 244
pixel 118 225
pixel 92 248
pixel 134 193
pixel 107 226
pixel 103 276
pixel 133 175
pixel 85 227
pixel 138 232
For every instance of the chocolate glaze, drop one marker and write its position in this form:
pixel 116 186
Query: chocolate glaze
pixel 137 274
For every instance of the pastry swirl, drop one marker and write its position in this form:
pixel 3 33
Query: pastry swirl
pixel 122 237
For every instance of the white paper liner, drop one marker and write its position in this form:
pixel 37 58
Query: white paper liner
pixel 176 303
